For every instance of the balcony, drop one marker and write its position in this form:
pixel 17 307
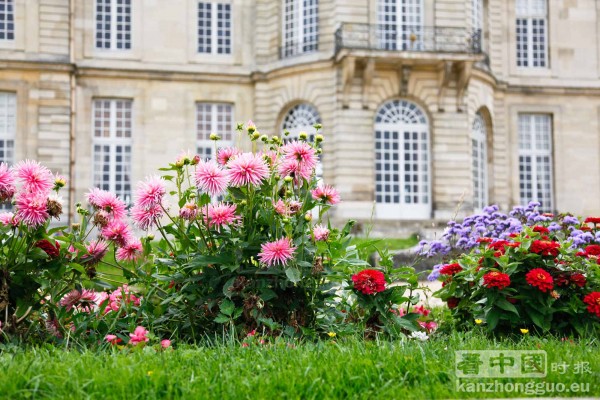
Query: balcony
pixel 395 38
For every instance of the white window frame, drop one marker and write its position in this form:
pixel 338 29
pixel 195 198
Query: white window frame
pixel 299 34
pixel 120 136
pixel 213 118
pixel 531 15
pixel 113 41
pixel 215 39
pixel 8 132
pixel 401 140
pixel 536 161
pixel 479 154
pixel 395 28
pixel 7 17
pixel 302 118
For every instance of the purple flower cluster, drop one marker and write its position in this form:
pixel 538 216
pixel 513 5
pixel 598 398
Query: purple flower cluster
pixel 492 223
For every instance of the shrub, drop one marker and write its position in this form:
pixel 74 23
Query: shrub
pixel 526 271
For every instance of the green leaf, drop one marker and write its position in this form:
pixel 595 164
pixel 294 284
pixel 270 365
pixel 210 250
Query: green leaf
pixel 492 319
pixel 228 286
pixel 405 324
pixel 293 274
pixel 227 307
pixel 506 305
pixel 221 319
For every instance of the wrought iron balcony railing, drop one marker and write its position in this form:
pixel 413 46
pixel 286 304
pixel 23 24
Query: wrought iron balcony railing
pixel 394 37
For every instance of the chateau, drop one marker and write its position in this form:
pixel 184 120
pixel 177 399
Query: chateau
pixel 427 105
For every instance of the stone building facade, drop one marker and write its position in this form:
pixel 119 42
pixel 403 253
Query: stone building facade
pixel 429 107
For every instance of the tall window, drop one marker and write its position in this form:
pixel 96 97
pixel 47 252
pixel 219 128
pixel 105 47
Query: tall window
pixel 479 162
pixel 532 33
pixel 302 118
pixel 112 146
pixel 400 24
pixel 300 27
pixel 113 24
pixel 213 118
pixel 7 20
pixel 402 177
pixel 8 121
pixel 477 20
pixel 535 160
pixel 214 28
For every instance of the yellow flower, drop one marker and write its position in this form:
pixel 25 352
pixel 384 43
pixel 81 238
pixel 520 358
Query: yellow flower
pixel 332 334
pixel 524 331
pixel 149 373
pixel 478 321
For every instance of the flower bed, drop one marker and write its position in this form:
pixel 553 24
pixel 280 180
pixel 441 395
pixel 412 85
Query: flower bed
pixel 522 271
pixel 237 245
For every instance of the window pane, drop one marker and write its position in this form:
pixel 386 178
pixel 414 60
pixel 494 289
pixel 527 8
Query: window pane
pixel 7 18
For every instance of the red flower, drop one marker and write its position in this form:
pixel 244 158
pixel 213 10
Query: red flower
pixel 52 250
pixel 562 280
pixel 453 302
pixel 501 245
pixel 585 228
pixel 450 269
pixel 496 279
pixel 369 281
pixel 540 278
pixel 592 250
pixel 593 303
pixel 545 247
pixel 541 229
pixel 512 300
pixel 578 279
pixel 484 240
pixel 594 220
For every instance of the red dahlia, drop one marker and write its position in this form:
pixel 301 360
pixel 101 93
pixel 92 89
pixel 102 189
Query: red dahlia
pixel 578 279
pixel 496 279
pixel 541 229
pixel 540 278
pixel 53 250
pixel 453 302
pixel 593 303
pixel 450 269
pixel 369 281
pixel 545 247
pixel 594 220
pixel 484 240
pixel 592 250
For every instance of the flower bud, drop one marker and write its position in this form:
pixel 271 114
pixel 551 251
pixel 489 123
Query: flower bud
pixel 214 136
pixel 195 160
pixel 302 135
pixel 317 126
pixel 308 217
pixel 285 220
pixel 319 138
pixel 75 226
pixel 264 138
pixel 150 236
pixel 288 179
pixel 239 126
pixel 275 139
pixel 255 135
pixel 286 133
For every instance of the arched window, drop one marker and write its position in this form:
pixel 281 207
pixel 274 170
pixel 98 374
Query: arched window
pixel 402 165
pixel 400 24
pixel 302 118
pixel 479 162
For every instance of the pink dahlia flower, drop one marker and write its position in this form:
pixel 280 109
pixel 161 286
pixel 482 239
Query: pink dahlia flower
pixel 108 202
pixel 300 152
pixel 8 218
pixel 227 153
pixel 117 232
pixel 277 252
pixel 96 250
pixel 150 192
pixel 211 178
pixel 165 343
pixel 146 217
pixel 131 251
pixel 138 336
pixel 220 215
pixel 32 208
pixel 84 300
pixel 247 169
pixel 35 177
pixel 320 233
pixel 189 211
pixel 7 183
pixel 326 194
pixel 295 169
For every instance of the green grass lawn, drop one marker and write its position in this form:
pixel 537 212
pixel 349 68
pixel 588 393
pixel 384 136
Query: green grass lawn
pixel 342 369
pixel 388 243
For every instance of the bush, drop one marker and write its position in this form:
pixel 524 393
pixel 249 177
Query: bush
pixel 523 271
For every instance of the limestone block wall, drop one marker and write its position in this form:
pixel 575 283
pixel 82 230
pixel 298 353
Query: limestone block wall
pixel 43 113
pixel 164 118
